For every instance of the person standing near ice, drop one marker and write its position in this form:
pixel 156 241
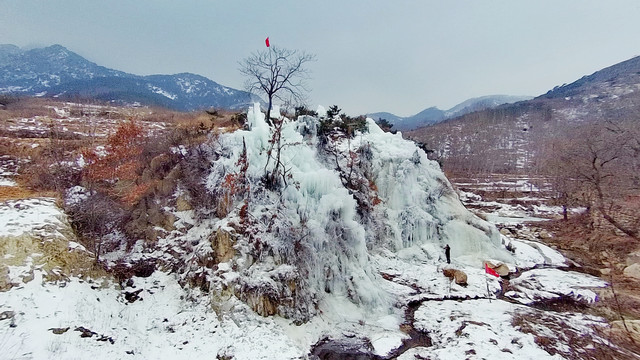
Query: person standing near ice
pixel 447 253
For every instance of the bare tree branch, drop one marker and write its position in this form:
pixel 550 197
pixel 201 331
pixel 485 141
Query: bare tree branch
pixel 277 73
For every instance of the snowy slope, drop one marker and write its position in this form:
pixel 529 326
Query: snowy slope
pixel 313 230
pixel 76 318
pixel 323 265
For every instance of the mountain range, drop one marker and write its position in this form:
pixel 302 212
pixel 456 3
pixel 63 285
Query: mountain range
pixel 434 115
pixel 55 71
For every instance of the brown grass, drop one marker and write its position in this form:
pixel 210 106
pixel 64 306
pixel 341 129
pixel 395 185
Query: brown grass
pixel 30 107
pixel 14 193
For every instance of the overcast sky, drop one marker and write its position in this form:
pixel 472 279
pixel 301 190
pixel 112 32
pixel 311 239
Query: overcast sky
pixel 400 56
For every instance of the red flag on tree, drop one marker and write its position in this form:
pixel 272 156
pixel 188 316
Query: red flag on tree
pixel 266 41
pixel 490 271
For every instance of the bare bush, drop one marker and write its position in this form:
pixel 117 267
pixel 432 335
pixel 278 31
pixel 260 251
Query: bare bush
pixel 96 217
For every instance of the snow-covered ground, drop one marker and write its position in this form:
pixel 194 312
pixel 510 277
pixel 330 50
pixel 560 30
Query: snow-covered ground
pixel 491 329
pixel 156 318
pixel 169 322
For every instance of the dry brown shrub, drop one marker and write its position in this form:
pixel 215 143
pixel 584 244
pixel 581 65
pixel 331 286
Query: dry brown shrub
pixel 158 114
pixel 42 176
pixel 18 149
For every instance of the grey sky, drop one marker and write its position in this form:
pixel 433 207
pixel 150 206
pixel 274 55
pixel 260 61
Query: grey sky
pixel 377 55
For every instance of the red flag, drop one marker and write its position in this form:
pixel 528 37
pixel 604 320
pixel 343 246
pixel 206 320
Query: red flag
pixel 490 271
pixel 266 41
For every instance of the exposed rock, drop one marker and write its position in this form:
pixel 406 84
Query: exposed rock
pixel 183 203
pixel 84 332
pixel 356 349
pixel 544 234
pixel 458 275
pixel 133 295
pixel 261 304
pixel 59 331
pixel 501 268
pixel 7 315
pixel 222 243
pixel 48 244
pixel 506 232
pixel 5 281
pixel 633 258
pixel 605 271
pixel 632 271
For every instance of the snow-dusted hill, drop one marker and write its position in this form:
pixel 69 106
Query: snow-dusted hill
pixel 341 255
pixel 433 115
pixel 55 71
pixel 513 137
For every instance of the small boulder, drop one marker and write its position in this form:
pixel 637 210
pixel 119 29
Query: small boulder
pixel 133 295
pixel 633 258
pixel 84 332
pixel 7 315
pixel 501 268
pixel 458 275
pixel 183 203
pixel 544 234
pixel 59 331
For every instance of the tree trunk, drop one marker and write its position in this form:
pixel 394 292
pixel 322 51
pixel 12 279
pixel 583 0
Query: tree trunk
pixel 268 118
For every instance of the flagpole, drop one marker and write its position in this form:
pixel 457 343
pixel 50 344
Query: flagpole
pixel 489 271
pixel 487 282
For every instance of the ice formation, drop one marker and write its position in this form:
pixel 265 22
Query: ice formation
pixel 313 236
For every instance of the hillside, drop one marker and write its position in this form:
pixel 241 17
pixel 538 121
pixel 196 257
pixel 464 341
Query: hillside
pixel 512 137
pixel 55 71
pixel 210 238
pixel 581 140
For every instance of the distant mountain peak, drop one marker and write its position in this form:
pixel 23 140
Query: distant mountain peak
pixel 434 115
pixel 483 102
pixel 56 47
pixel 9 48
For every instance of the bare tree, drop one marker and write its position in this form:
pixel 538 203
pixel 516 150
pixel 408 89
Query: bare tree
pixel 277 73
pixel 597 164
